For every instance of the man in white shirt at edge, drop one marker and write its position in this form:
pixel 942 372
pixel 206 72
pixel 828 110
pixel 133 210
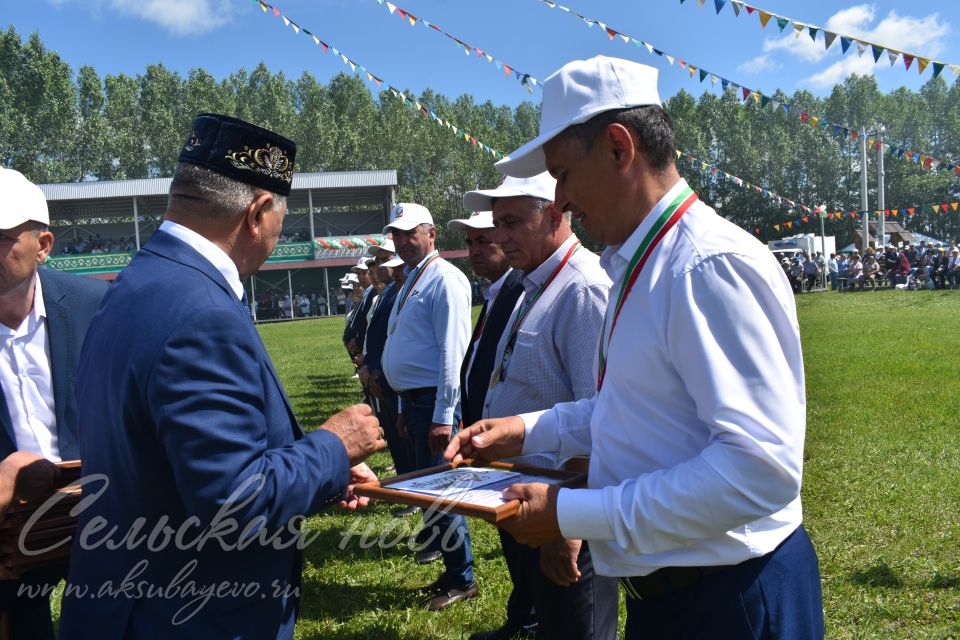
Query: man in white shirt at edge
pixel 696 433
pixel 427 335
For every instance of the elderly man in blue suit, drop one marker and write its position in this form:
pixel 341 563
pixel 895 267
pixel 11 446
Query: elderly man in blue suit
pixel 198 473
pixel 44 315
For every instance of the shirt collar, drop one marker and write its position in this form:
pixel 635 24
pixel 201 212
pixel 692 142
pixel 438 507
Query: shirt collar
pixel 539 276
pixel 496 286
pixel 214 254
pixel 38 313
pixel 408 270
pixel 626 250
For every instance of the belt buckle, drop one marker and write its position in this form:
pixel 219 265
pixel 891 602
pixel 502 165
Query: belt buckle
pixel 630 589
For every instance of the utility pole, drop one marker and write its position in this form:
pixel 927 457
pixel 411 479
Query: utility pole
pixel 880 180
pixel 864 204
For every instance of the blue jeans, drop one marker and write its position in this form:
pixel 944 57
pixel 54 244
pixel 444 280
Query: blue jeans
pixel 442 532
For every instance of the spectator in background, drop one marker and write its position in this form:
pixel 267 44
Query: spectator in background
pixel 795 274
pixel 939 264
pixel 855 272
pixel 810 272
pixel 833 266
pixel 953 268
pixel 891 261
pixel 871 271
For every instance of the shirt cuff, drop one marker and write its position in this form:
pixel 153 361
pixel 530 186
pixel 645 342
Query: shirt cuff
pixel 582 516
pixel 535 441
pixel 443 415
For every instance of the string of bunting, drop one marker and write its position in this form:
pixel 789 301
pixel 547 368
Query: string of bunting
pixel 812 214
pixel 829 37
pixel 839 131
pixel 410 102
pixel 525 79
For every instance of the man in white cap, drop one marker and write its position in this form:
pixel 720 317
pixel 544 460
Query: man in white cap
pixel 696 431
pixel 356 329
pixel 427 336
pixel 543 358
pixel 44 315
pixel 382 398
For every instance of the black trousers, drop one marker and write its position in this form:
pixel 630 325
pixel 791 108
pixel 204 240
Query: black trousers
pixel 773 596
pixel 586 610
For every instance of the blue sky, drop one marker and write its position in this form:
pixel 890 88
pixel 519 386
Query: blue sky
pixel 124 36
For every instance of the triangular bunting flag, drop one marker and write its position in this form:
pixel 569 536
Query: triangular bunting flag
pixel 692 70
pixel 937 68
pixel 777 227
pixel 764 19
pixel 286 22
pixel 814 121
pixel 703 75
pixel 813 33
pixel 907 61
pixel 956 69
pixel 611 33
pixel 391 7
pixel 719 4
pixel 954 205
pixel 877 52
pixel 714 79
pixel 844 43
pixel 861 47
pixel 922 65
pixel 736 10
pixel 893 55
pixel 670 59
pixel 798 29
pixel 782 23
pixel 911 210
pixel 828 38
pixel 750 9
pixel 746 93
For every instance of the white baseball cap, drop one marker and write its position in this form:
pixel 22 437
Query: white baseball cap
pixel 360 266
pixel 408 215
pixel 393 262
pixel 541 185
pixel 578 91
pixel 22 201
pixel 477 220
pixel 386 246
pixel 350 278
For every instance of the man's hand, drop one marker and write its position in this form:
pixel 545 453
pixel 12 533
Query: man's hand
pixel 487 440
pixel 25 476
pixel 359 474
pixel 364 374
pixel 558 561
pixel 359 431
pixel 373 384
pixel 439 437
pixel 536 522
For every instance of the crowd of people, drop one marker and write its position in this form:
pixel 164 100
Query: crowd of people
pixel 670 367
pixel 94 244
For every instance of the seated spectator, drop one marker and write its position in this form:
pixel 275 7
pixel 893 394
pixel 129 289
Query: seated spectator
pixel 891 260
pixel 810 272
pixel 871 271
pixel 953 269
pixel 939 265
pixel 855 272
pixel 796 276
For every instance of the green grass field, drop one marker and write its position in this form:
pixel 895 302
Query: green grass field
pixel 881 490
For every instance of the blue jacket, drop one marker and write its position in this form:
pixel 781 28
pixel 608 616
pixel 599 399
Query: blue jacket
pixel 70 302
pixel 180 408
pixel 377 330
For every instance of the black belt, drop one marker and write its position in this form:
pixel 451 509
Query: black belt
pixel 666 580
pixel 412 394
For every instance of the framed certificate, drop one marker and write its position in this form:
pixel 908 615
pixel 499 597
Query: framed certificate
pixel 471 490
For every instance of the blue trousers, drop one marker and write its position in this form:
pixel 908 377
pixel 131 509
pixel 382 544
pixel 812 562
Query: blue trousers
pixel 773 596
pixel 386 410
pixel 446 533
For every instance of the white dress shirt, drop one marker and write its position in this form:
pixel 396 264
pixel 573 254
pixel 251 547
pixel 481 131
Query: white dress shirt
pixel 28 383
pixel 214 254
pixel 556 343
pixel 427 339
pixel 696 438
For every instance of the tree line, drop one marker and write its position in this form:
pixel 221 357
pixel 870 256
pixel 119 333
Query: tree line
pixel 57 125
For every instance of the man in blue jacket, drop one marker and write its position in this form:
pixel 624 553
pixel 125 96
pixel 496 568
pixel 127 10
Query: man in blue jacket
pixel 44 315
pixel 198 473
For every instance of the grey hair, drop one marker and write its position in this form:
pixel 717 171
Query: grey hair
pixel 213 194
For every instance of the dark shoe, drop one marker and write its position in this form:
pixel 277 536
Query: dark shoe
pixel 437 586
pixel 452 594
pixel 426 556
pixel 405 511
pixel 509 631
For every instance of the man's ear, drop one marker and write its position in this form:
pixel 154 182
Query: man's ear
pixel 46 245
pixel 262 204
pixel 620 145
pixel 555 214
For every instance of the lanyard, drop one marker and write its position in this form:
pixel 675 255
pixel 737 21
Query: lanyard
pixel 410 284
pixel 663 224
pixel 525 308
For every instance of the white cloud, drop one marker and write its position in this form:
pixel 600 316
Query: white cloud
pixel 757 65
pixel 178 17
pixel 924 35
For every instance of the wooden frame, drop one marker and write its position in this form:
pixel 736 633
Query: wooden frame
pixel 382 490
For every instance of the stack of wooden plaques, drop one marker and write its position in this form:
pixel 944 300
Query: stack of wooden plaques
pixel 52 531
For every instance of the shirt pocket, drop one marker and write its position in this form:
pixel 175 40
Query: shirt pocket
pixel 527 359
